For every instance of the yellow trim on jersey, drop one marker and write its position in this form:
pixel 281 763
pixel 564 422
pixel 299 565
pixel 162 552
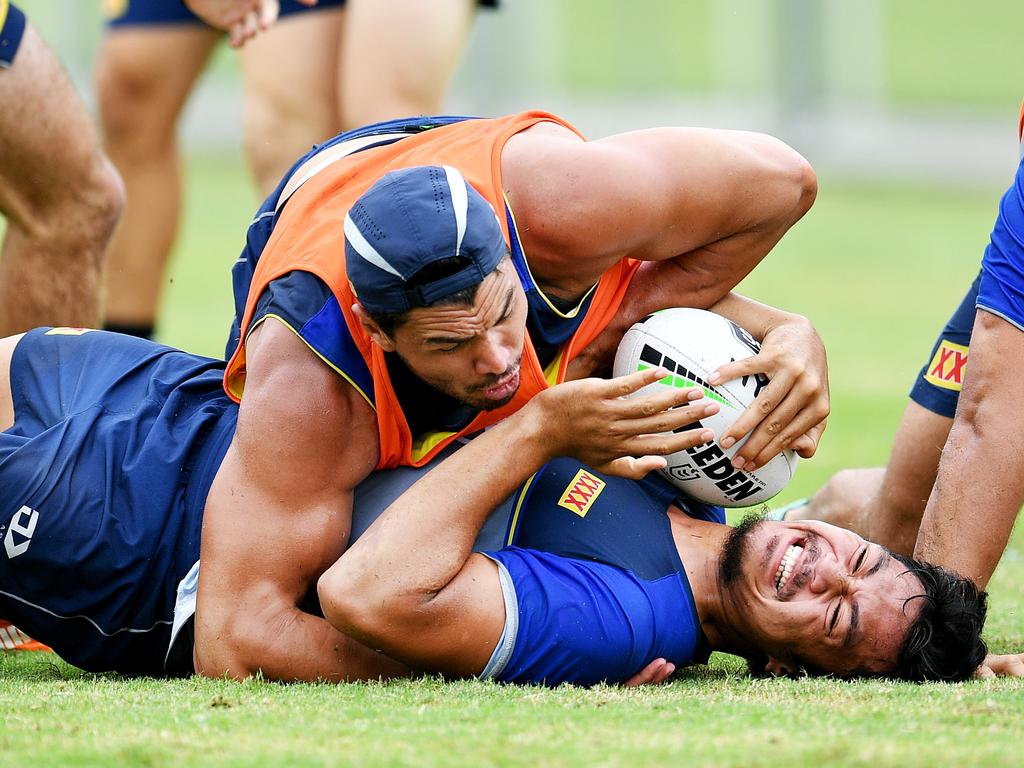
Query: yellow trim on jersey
pixel 519 506
pixel 554 368
pixel 330 365
pixel 4 6
pixel 424 445
pixel 567 315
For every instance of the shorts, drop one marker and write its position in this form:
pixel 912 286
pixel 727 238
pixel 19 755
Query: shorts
pixel 12 27
pixel 103 481
pixel 125 13
pixel 938 385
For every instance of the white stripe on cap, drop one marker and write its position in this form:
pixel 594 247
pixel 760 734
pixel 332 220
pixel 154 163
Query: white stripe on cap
pixel 460 203
pixel 364 249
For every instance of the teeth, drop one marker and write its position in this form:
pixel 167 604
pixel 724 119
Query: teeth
pixel 786 566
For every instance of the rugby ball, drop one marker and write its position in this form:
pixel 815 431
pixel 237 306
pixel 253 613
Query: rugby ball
pixel 690 344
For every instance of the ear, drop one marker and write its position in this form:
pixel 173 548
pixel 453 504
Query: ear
pixel 384 341
pixel 779 668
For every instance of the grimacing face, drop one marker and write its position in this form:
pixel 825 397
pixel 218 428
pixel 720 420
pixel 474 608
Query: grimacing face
pixel 813 595
pixel 471 353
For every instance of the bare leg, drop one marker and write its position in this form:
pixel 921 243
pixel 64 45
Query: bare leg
pixel 886 505
pixel 60 195
pixel 290 76
pixel 144 76
pixel 399 56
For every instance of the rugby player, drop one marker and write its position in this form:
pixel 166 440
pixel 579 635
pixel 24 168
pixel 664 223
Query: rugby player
pixel 316 71
pixel 111 445
pixel 957 447
pixel 414 282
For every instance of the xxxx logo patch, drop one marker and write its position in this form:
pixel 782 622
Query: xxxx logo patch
pixel 581 493
pixel 948 366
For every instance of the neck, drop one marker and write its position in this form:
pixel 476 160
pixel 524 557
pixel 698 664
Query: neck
pixel 700 544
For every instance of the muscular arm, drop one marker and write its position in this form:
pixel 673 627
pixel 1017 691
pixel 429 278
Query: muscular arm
pixel 707 204
pixel 278 514
pixel 702 208
pixel 980 484
pixel 411 585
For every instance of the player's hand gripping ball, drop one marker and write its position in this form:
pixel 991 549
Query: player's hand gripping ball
pixel 690 343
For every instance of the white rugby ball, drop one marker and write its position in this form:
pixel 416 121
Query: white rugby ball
pixel 691 343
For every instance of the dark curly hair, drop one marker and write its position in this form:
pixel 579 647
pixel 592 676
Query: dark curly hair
pixel 944 642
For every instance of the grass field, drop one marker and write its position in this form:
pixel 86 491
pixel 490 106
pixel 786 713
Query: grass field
pixel 879 270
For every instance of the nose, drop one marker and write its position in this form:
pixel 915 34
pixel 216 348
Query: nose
pixel 828 576
pixel 493 354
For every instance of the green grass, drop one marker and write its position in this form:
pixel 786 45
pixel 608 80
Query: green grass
pixel 878 269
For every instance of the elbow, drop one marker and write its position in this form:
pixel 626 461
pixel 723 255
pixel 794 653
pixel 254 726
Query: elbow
pixel 221 652
pixel 348 602
pixel 791 180
pixel 800 184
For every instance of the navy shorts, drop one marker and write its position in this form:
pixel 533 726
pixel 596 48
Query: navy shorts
pixel 12 27
pixel 938 385
pixel 145 12
pixel 103 481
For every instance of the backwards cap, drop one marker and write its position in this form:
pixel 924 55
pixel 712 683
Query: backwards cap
pixel 409 219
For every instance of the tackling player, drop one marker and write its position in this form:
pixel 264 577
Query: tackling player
pixel 416 281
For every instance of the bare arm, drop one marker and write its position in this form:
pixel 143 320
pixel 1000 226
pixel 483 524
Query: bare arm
pixel 710 204
pixel 278 514
pixel 703 207
pixel 980 485
pixel 411 584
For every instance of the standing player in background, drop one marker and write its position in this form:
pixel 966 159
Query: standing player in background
pixel 316 71
pixel 59 198
pixel 955 480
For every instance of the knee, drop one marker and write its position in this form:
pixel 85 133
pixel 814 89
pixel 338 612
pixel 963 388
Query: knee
pixel 131 116
pixel 278 132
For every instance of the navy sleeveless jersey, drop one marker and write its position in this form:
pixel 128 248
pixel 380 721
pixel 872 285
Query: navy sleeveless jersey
pixel 306 304
pixel 599 588
pixel 105 475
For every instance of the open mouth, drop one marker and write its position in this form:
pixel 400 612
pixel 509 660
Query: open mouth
pixel 787 566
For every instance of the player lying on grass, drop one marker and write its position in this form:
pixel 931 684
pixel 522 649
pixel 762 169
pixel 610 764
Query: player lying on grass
pixel 111 444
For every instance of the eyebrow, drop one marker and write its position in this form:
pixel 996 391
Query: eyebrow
pixel 851 631
pixel 460 339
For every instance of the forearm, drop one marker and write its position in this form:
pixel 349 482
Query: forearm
pixel 424 538
pixel 980 483
pixel 283 643
pixel 756 318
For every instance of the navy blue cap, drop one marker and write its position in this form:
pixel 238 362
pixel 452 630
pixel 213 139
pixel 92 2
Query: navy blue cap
pixel 409 219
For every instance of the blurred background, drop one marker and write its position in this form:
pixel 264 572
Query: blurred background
pixel 907 109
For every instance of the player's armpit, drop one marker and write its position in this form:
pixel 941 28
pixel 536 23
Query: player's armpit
pixel 278 514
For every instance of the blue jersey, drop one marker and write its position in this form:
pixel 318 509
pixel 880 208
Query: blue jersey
pixel 593 583
pixel 1002 267
pixel 12 28
pixel 105 475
